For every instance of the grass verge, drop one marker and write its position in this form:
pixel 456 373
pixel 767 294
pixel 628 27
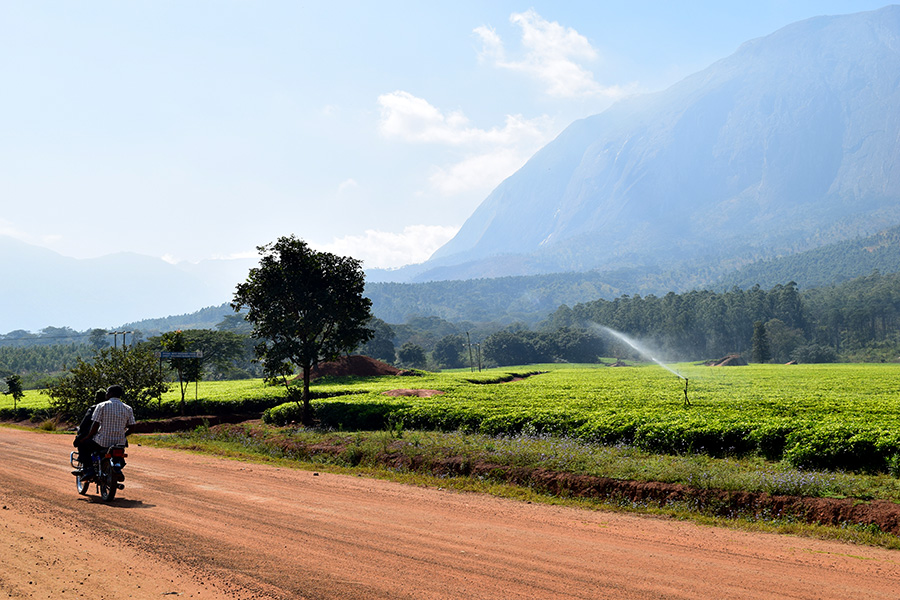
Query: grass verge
pixel 506 467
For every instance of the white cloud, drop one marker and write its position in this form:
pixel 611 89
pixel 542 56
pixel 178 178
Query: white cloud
pixel 384 250
pixel 412 119
pixel 347 186
pixel 489 155
pixel 554 55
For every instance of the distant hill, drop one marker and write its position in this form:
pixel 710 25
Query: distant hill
pixel 531 298
pixel 788 144
pixel 42 288
pixel 206 318
pixel 823 266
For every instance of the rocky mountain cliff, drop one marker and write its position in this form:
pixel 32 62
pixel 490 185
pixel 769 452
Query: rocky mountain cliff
pixel 790 143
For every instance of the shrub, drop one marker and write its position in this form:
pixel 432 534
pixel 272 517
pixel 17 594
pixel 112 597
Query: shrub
pixel 840 447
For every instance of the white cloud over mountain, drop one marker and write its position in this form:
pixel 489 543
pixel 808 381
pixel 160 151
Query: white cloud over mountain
pixel 488 155
pixel 553 54
pixel 411 119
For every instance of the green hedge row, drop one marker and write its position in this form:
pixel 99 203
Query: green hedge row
pixel 209 407
pixel 25 414
pixel 362 416
pixel 802 444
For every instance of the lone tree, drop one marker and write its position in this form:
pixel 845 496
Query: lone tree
pixel 188 369
pixel 14 385
pixel 306 307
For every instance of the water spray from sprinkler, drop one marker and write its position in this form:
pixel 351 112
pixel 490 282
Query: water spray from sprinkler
pixel 644 352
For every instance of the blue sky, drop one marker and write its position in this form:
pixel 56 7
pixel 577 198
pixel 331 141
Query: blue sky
pixel 202 129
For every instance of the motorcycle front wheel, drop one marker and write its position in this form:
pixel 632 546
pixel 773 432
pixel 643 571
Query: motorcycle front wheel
pixel 82 485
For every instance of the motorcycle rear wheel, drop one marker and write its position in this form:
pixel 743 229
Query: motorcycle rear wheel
pixel 107 482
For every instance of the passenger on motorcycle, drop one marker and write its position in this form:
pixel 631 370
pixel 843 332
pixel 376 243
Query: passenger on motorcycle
pixel 81 436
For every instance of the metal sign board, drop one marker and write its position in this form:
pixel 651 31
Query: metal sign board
pixel 198 354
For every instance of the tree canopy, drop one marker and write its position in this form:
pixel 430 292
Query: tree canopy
pixel 136 370
pixel 381 346
pixel 448 352
pixel 305 306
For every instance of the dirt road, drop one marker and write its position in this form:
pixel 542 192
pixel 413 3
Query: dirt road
pixel 197 527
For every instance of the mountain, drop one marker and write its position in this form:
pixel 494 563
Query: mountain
pixel 790 143
pixel 42 288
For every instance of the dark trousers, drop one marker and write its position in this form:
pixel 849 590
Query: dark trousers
pixel 85 450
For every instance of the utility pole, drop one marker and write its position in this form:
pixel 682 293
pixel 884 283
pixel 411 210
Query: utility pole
pixel 115 335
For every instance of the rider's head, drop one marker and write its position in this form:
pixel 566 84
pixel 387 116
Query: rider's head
pixel 114 391
pixel 100 396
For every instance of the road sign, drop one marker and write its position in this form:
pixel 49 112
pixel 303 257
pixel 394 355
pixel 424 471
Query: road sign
pixel 198 354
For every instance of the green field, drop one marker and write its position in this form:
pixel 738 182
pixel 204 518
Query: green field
pixel 32 399
pixel 814 416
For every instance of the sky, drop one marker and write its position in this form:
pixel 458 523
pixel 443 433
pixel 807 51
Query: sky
pixel 191 129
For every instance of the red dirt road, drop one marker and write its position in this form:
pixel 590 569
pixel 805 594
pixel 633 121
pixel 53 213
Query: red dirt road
pixel 199 527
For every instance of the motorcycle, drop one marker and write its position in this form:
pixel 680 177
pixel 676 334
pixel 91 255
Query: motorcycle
pixel 108 469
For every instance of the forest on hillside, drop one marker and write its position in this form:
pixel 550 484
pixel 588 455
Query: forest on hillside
pixel 528 299
pixel 857 320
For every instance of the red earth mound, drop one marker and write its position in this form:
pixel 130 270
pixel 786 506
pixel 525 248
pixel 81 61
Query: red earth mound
pixel 732 360
pixel 356 365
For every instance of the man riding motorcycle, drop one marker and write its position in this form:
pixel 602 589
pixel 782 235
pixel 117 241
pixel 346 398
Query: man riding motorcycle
pixel 111 422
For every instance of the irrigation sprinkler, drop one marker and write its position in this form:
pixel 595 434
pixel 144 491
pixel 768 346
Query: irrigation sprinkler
pixel 646 353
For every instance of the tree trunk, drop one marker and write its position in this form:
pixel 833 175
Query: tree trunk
pixel 307 409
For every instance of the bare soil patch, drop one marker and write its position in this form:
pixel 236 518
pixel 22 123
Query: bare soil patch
pixel 732 360
pixel 414 393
